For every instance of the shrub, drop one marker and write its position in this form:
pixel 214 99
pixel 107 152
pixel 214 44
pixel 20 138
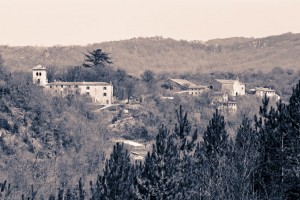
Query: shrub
pixel 4 124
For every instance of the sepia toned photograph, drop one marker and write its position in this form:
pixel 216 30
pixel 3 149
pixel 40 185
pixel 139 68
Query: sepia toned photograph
pixel 149 100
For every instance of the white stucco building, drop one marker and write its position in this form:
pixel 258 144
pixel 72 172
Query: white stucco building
pixel 261 92
pixel 39 75
pixel 100 92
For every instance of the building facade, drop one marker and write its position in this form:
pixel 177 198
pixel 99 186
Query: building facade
pixel 39 75
pixel 232 87
pixel 184 87
pixel 221 102
pixel 261 92
pixel 100 92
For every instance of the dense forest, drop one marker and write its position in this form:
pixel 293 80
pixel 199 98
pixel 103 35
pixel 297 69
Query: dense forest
pixel 168 55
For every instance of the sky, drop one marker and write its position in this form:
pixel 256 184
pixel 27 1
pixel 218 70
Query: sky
pixel 81 22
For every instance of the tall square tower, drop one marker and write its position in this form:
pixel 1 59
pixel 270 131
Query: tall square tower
pixel 39 75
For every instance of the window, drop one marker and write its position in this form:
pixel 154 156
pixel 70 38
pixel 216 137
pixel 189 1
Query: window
pixel 76 86
pixel 104 94
pixel 37 73
pixel 104 88
pixel 50 86
pixel 87 87
pixel 40 74
pixel 61 86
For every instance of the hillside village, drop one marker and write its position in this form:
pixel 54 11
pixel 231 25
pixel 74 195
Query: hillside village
pixel 102 93
pixel 222 95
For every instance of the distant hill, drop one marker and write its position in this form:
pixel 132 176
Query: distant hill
pixel 168 55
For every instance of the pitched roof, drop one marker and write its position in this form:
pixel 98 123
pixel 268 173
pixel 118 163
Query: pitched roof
pixel 227 81
pixel 264 89
pixel 79 83
pixel 219 93
pixel 187 83
pixel 231 102
pixel 39 67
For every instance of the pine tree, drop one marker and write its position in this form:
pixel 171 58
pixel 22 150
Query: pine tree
pixel 216 150
pixel 96 59
pixel 158 177
pixel 292 147
pixel 81 194
pixel 215 139
pixel 97 190
pixel 117 177
pixel 271 128
pixel 5 188
pixel 244 160
pixel 70 195
pixel 185 138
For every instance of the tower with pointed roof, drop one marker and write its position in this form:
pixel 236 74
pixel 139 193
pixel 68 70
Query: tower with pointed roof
pixel 39 75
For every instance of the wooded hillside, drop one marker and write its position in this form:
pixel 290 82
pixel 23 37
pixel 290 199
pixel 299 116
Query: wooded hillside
pixel 164 54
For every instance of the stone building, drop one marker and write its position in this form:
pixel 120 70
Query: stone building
pixel 221 101
pixel 232 87
pixel 261 92
pixel 184 87
pixel 39 75
pixel 219 97
pixel 100 92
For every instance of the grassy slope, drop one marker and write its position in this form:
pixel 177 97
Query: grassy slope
pixel 159 54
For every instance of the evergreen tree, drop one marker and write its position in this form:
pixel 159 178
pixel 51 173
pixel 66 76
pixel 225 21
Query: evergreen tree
pixel 95 66
pixel 81 194
pixel 292 147
pixel 272 130
pixel 200 174
pixel 70 195
pixel 97 190
pixel 215 139
pixel 158 177
pixel 117 177
pixel 185 139
pixel 5 188
pixel 216 150
pixel 244 160
pixel 96 59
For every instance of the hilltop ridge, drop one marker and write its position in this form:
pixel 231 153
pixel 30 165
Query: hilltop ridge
pixel 169 55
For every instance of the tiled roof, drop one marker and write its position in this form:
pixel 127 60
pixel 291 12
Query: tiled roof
pixel 39 67
pixel 264 89
pixel 219 93
pixel 79 83
pixel 187 83
pixel 227 81
pixel 231 102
